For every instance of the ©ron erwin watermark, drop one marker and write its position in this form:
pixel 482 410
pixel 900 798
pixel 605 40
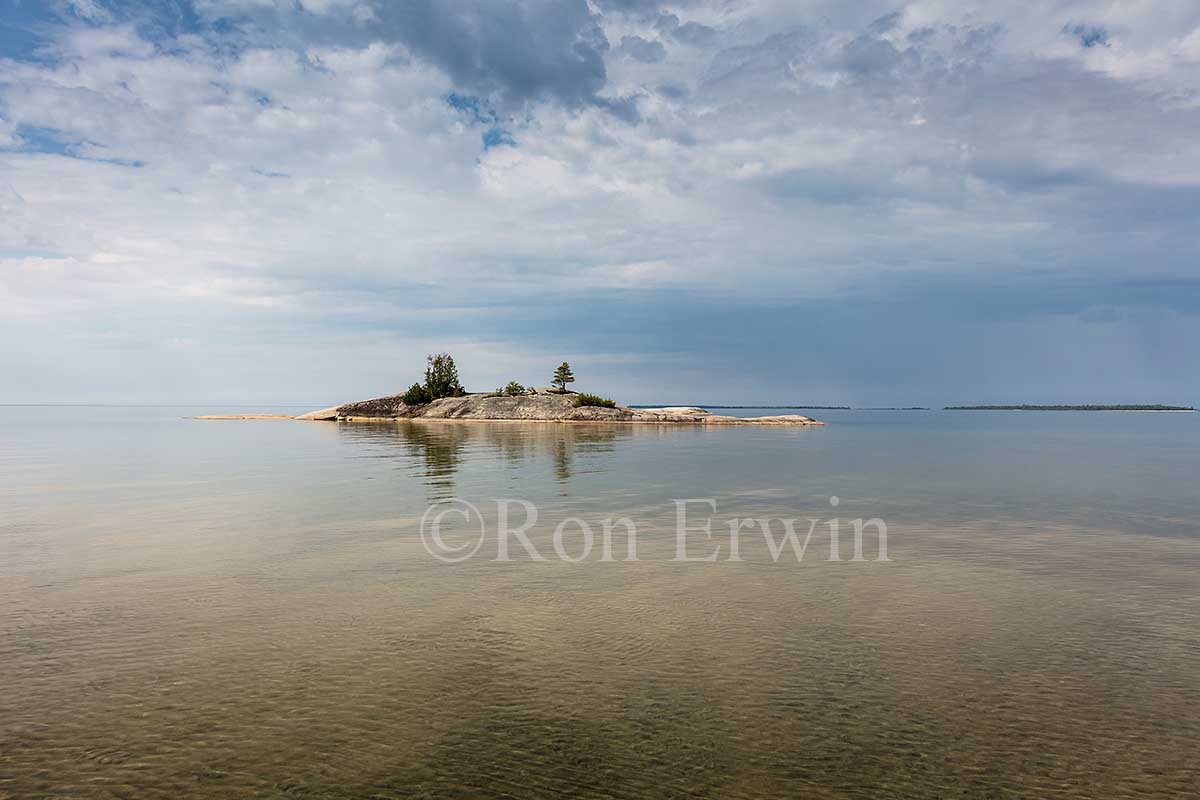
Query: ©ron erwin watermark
pixel 454 530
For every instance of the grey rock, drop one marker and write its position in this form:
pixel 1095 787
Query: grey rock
pixel 544 405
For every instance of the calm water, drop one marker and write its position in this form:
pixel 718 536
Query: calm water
pixel 246 609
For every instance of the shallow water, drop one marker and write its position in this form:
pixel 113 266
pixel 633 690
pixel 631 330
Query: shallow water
pixel 246 609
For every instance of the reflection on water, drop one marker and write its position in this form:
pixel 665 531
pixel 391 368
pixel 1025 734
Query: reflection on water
pixel 441 447
pixel 245 610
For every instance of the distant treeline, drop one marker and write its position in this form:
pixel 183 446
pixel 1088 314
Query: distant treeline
pixel 691 405
pixel 1072 408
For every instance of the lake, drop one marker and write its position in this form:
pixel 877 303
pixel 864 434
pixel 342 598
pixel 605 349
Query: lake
pixel 280 609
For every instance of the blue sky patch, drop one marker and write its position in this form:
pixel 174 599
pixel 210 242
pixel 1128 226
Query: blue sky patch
pixel 495 137
pixel 476 107
pixel 51 141
pixel 1088 35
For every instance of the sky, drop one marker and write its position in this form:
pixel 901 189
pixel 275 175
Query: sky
pixel 703 201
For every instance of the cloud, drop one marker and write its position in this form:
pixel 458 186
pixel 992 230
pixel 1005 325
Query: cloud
pixel 515 51
pixel 691 32
pixel 522 51
pixel 647 51
pixel 699 185
pixel 867 55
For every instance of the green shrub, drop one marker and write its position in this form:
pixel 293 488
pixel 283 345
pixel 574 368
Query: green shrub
pixel 593 400
pixel 512 389
pixel 415 396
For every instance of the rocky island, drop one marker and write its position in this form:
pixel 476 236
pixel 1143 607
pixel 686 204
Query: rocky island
pixel 537 405
pixel 441 397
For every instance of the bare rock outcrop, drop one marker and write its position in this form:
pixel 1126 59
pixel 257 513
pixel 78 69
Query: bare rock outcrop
pixel 321 414
pixel 539 405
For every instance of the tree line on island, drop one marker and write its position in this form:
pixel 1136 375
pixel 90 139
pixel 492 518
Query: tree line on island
pixel 441 380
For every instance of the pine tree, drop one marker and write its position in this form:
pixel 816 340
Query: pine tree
pixel 563 376
pixel 441 377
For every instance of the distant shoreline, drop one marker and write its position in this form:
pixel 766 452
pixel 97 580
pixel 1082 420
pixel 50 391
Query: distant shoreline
pixel 1122 407
pixel 708 405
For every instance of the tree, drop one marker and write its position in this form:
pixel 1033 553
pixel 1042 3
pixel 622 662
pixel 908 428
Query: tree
pixel 563 376
pixel 441 377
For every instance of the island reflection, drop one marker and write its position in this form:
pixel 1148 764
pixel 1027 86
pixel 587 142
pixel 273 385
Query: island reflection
pixel 437 452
